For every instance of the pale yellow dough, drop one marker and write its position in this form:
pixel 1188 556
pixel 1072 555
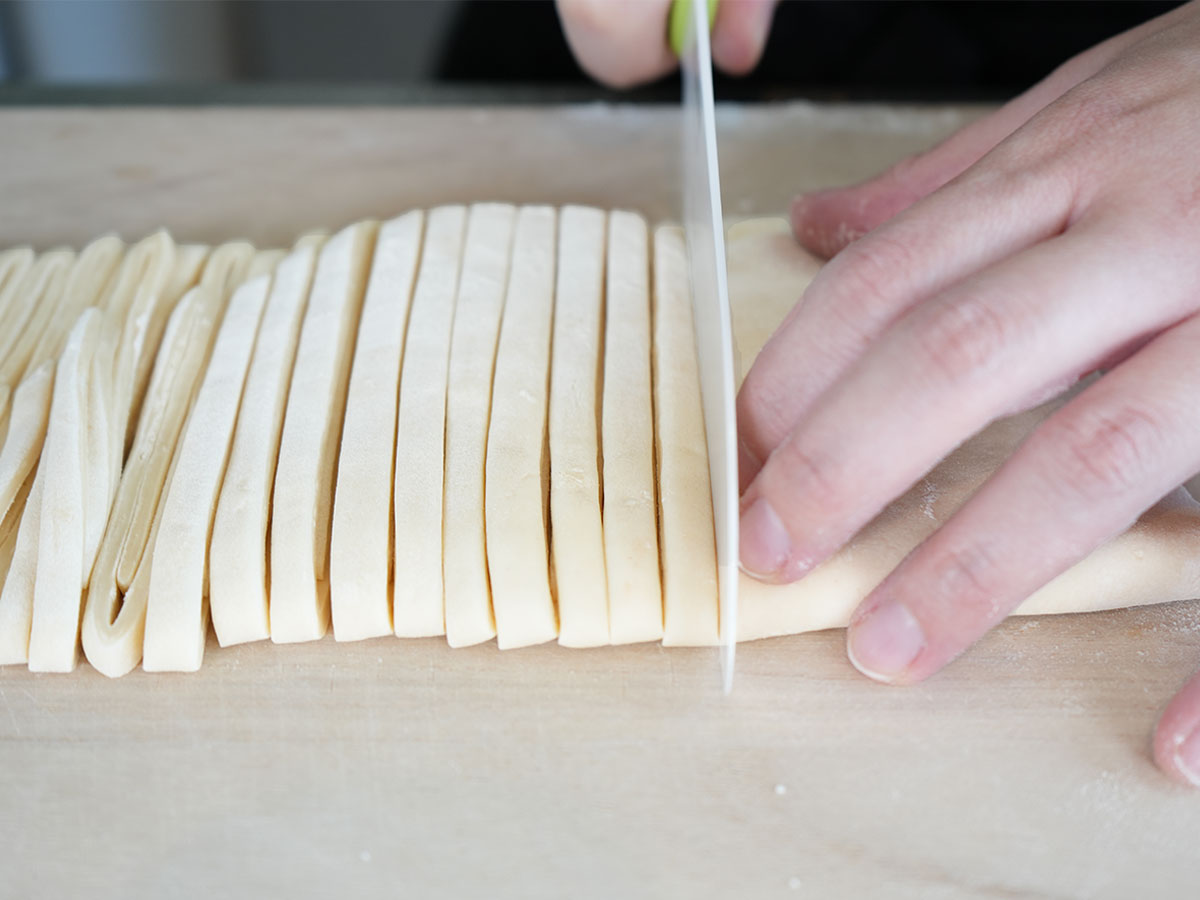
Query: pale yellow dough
pixel 312 427
pixel 360 560
pixel 177 615
pixel 577 531
pixel 517 474
pixel 64 558
pixel 114 618
pixel 480 304
pixel 686 540
pixel 38 295
pixel 419 595
pixel 627 438
pixel 238 551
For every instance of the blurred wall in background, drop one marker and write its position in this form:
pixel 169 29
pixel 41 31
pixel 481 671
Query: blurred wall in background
pixel 857 49
pixel 162 41
pixel 117 41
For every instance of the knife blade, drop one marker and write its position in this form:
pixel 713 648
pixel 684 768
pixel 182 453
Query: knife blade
pixel 705 230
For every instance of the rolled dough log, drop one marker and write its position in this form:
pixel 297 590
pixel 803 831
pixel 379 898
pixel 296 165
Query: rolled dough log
pixel 137 309
pixel 9 528
pixel 419 596
pixel 178 373
pixel 27 431
pixel 62 558
pixel 177 614
pixel 627 438
pixel 101 468
pixel 14 263
pixel 478 309
pixel 38 297
pixel 238 552
pixel 122 639
pixel 114 617
pixel 517 475
pixel 360 552
pixel 312 425
pixel 16 597
pixel 86 285
pixel 1156 560
pixel 577 359
pixel 686 538
pixel 191 261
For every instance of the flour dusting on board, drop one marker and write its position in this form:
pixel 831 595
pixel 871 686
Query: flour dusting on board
pixel 929 496
pixel 1181 618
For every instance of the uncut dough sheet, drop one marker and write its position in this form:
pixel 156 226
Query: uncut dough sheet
pixel 1157 560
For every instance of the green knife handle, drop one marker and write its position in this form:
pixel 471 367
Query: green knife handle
pixel 677 29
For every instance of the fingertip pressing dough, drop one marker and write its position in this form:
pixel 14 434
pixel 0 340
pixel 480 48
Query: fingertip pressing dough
pixel 418 590
pixel 360 553
pixel 577 532
pixel 517 468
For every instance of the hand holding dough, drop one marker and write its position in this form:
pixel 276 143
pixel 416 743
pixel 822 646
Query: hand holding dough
pixel 1155 561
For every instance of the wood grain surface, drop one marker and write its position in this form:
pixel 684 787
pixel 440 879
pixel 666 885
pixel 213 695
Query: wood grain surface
pixel 401 768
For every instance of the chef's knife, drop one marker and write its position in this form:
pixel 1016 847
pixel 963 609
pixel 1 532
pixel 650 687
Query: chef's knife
pixel 704 225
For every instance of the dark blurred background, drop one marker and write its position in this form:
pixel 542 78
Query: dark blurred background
pixel 429 49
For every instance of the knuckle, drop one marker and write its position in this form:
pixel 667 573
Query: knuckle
pixel 761 409
pixel 1100 453
pixel 811 477
pixel 860 292
pixel 916 176
pixel 1082 120
pixel 1091 107
pixel 961 339
pixel 964 578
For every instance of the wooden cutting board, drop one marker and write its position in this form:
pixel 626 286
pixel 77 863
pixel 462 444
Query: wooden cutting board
pixel 391 768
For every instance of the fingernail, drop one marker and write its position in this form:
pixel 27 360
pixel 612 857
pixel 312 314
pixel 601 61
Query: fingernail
pixel 765 545
pixel 884 644
pixel 1187 757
